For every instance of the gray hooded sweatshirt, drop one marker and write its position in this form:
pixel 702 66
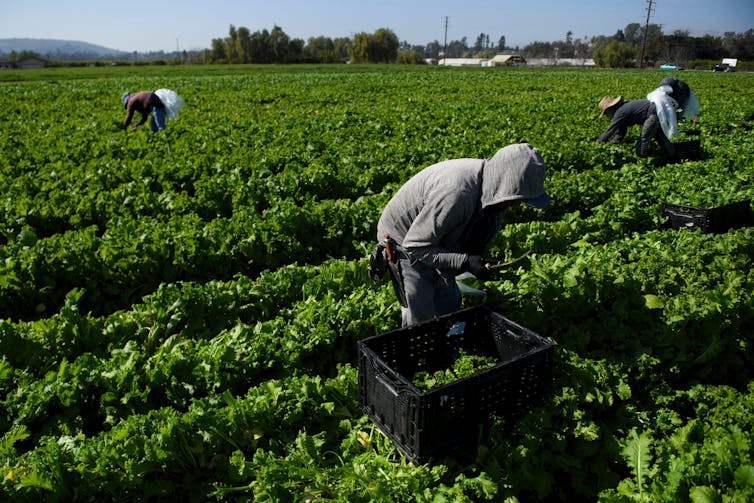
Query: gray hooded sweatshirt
pixel 432 215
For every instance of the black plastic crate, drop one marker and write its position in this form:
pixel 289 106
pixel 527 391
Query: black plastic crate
pixel 426 424
pixel 689 150
pixel 711 220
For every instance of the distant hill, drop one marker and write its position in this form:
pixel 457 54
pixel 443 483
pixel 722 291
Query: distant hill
pixel 59 49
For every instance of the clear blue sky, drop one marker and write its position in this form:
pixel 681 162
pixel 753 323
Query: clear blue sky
pixel 139 25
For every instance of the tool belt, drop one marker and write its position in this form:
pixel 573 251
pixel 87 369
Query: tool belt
pixel 378 263
pixel 386 257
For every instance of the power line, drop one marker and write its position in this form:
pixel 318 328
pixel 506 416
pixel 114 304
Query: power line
pixel 646 29
pixel 445 43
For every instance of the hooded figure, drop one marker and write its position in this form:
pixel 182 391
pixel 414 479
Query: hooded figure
pixel 680 91
pixel 440 221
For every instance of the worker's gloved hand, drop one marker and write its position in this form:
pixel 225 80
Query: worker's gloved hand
pixel 477 266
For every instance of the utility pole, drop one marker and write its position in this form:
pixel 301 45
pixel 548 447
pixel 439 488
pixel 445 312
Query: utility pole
pixel 646 28
pixel 445 44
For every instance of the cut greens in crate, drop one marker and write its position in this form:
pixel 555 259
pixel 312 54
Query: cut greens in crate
pixel 464 365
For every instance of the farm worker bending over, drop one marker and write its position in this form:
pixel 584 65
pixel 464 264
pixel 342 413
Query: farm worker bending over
pixel 688 104
pixel 631 113
pixel 440 221
pixel 144 102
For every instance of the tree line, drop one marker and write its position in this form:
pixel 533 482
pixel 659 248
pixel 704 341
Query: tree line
pixel 632 46
pixel 635 45
pixel 275 46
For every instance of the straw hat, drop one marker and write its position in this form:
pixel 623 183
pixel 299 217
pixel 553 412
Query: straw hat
pixel 608 102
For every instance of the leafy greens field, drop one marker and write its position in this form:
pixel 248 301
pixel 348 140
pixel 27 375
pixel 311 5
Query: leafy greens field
pixel 179 313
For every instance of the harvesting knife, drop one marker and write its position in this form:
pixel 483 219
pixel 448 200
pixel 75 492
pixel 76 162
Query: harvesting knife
pixel 502 265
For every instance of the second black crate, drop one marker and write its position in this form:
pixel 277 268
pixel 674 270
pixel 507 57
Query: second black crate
pixel 709 220
pixel 426 424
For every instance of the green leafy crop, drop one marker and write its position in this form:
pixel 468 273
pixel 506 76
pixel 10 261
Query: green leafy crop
pixel 181 324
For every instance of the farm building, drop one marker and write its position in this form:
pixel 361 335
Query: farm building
pixel 31 62
pixel 462 61
pixel 561 62
pixel 507 60
pixel 513 60
pixel 499 60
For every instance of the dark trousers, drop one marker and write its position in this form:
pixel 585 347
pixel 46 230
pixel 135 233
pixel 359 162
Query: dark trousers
pixel 652 129
pixel 428 293
pixel 157 121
